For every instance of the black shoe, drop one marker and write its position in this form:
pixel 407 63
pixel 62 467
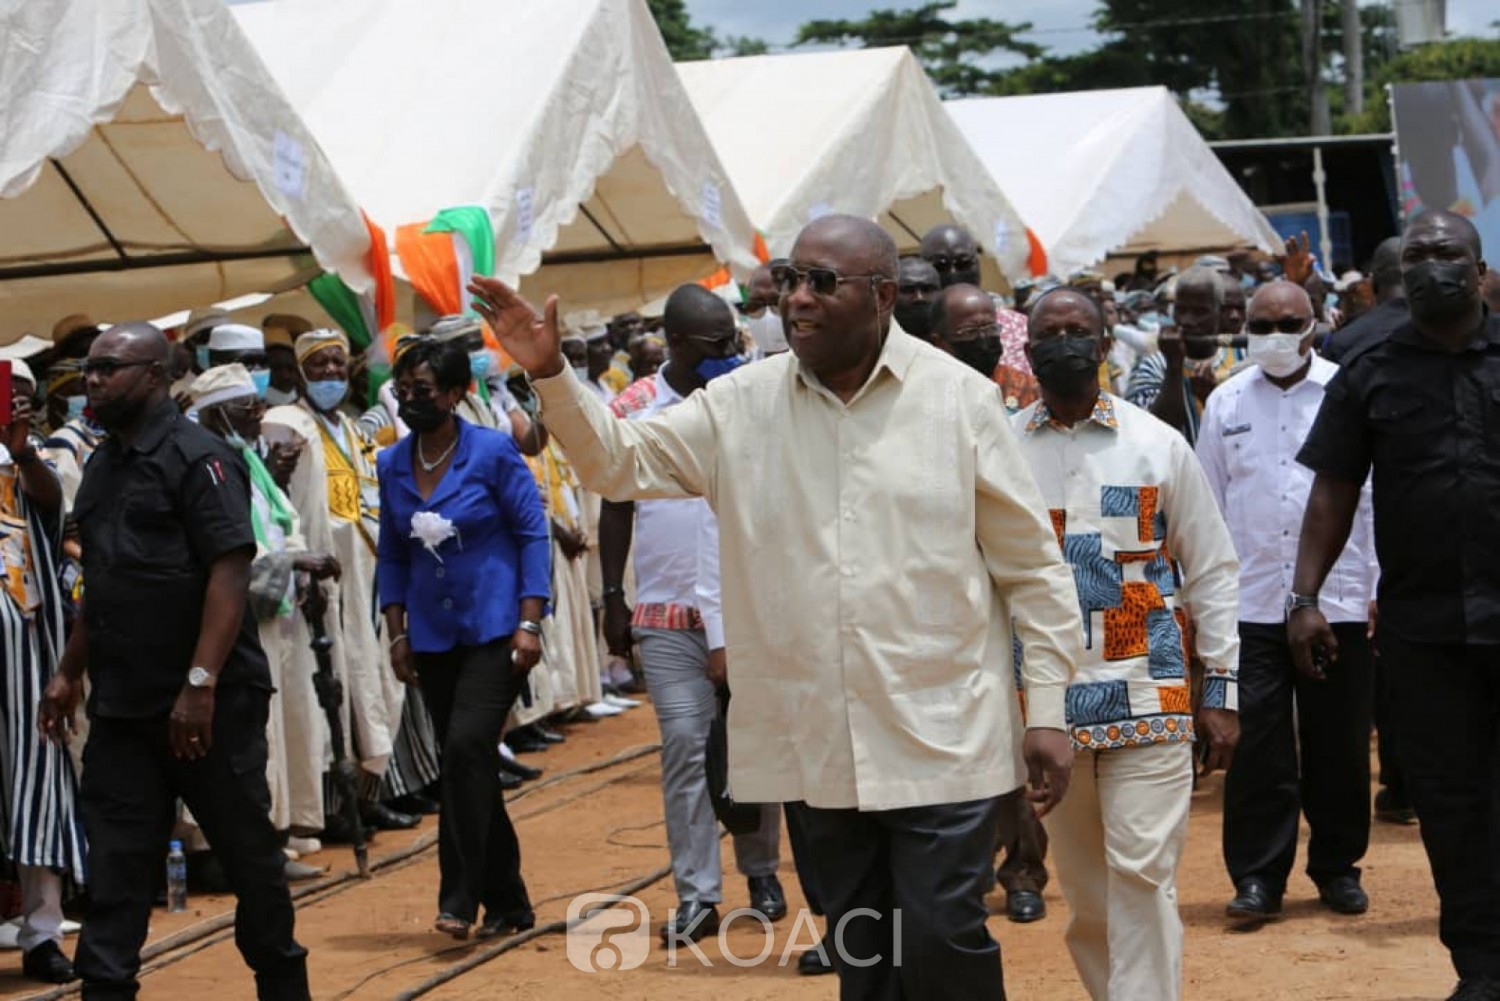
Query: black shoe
pixel 693 921
pixel 1254 901
pixel 816 961
pixel 1025 906
pixel 379 817
pixel 518 769
pixel 547 736
pixel 767 897
pixel 1344 895
pixel 205 874
pixel 1476 989
pixel 509 781
pixel 416 804
pixel 523 742
pixel 505 925
pixel 1391 810
pixel 47 963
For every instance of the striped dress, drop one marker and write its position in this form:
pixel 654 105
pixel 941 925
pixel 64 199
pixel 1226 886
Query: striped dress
pixel 38 786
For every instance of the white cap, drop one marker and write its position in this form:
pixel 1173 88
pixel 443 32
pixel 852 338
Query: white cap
pixel 220 385
pixel 236 337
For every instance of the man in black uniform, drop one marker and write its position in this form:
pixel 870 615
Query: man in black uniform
pixel 1422 408
pixel 180 686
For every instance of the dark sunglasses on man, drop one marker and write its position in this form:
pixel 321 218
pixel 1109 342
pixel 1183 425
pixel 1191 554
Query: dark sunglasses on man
pixel 958 262
pixel 1285 325
pixel 823 282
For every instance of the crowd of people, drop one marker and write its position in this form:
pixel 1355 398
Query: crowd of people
pixel 953 578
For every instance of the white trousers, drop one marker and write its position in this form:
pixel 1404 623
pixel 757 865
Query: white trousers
pixel 1116 838
pixel 41 907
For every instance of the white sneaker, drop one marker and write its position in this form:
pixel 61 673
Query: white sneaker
pixel 10 934
pixel 620 702
pixel 599 710
pixel 70 927
pixel 304 846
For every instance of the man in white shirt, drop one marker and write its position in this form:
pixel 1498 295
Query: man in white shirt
pixel 1150 556
pixel 875 522
pixel 1252 428
pixel 669 629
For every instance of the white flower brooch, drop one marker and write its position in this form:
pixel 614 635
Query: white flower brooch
pixel 432 530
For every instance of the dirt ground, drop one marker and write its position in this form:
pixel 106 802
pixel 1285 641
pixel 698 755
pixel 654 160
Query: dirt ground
pixel 602 830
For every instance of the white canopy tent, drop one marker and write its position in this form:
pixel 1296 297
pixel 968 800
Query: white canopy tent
pixel 564 120
pixel 1104 172
pixel 148 163
pixel 853 131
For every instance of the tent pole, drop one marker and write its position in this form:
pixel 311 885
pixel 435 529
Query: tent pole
pixel 1325 241
pixel 89 208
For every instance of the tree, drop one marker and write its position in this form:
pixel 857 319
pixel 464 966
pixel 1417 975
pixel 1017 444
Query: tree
pixel 684 41
pixel 1458 59
pixel 952 52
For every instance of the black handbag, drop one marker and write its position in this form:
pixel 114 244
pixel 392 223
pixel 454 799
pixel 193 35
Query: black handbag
pixel 738 818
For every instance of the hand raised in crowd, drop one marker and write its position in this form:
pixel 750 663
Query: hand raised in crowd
pixel 1314 645
pixel 18 431
pixel 533 340
pixel 282 461
pixel 56 714
pixel 401 662
pixel 190 726
pixel 1218 735
pixel 525 651
pixel 1297 263
pixel 1049 765
pixel 617 616
pixel 321 566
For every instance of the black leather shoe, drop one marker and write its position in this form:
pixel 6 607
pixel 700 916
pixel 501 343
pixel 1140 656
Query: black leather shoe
pixel 518 769
pixel 1390 810
pixel 693 921
pixel 767 897
pixel 416 804
pixel 1476 989
pixel 1024 907
pixel 1344 895
pixel 547 736
pixel 380 817
pixel 505 924
pixel 509 781
pixel 1254 901
pixel 816 961
pixel 523 742
pixel 48 964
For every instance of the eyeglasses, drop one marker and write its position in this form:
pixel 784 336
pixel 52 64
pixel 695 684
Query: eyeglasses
pixel 415 391
pixel 106 367
pixel 977 331
pixel 1285 325
pixel 822 281
pixel 958 262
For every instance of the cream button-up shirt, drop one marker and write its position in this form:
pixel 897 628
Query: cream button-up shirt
pixel 873 556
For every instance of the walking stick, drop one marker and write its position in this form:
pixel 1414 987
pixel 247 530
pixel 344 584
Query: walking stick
pixel 331 697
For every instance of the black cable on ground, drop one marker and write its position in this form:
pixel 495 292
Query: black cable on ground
pixel 205 934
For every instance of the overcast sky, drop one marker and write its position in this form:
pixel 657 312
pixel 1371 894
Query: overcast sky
pixel 1062 25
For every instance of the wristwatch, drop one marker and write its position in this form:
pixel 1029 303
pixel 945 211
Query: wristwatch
pixel 1295 601
pixel 530 626
pixel 199 677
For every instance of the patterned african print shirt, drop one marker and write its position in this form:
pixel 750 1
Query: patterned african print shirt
pixel 1153 565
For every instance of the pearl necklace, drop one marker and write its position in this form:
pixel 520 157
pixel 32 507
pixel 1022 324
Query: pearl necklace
pixel 422 455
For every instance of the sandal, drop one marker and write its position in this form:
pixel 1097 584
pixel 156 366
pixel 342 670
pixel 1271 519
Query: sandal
pixel 449 925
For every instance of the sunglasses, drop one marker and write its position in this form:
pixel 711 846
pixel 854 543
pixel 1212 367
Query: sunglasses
pixel 107 367
pixel 822 281
pixel 958 262
pixel 976 332
pixel 1285 325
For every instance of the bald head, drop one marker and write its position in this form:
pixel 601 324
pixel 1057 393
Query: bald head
pixel 859 245
pixel 953 252
pixel 1442 268
pixel 1385 269
pixel 1064 300
pixel 691 310
pixel 1279 297
pixel 137 340
pixel 958 307
pixel 127 376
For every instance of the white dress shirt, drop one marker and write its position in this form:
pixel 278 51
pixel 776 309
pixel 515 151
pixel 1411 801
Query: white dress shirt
pixel 710 593
pixel 1248 445
pixel 869 552
pixel 1149 553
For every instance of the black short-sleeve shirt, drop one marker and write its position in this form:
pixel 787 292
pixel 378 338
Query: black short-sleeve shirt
pixel 1427 422
pixel 152 518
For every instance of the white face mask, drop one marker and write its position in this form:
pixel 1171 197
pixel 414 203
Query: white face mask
pixel 767 331
pixel 1278 355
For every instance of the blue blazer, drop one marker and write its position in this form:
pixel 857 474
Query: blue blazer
pixel 469 592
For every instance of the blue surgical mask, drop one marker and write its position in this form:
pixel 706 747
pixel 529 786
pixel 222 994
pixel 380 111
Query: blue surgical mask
pixel 479 364
pixel 710 369
pixel 201 353
pixel 262 379
pixel 236 440
pixel 76 406
pixel 326 394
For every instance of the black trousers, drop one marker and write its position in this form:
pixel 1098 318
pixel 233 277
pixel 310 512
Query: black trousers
pixel 1385 734
pixel 1270 784
pixel 796 832
pixel 131 783
pixel 1448 735
pixel 469 691
pixel 1024 839
pixel 933 865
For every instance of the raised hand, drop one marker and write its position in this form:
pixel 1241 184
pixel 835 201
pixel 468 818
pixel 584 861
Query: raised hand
pixel 1297 264
pixel 533 341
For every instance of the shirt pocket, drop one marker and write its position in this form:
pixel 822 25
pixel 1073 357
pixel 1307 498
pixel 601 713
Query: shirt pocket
pixel 1410 431
pixel 152 536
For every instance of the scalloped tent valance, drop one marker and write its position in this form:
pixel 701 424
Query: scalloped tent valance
pixel 1104 172
pixel 148 163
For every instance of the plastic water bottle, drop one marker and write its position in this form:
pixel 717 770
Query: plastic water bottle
pixel 176 878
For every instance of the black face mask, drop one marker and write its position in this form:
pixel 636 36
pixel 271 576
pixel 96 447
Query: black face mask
pixel 913 317
pixel 981 354
pixel 423 415
pixel 1065 366
pixel 1438 290
pixel 959 277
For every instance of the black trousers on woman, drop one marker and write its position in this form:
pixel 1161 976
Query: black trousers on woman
pixel 469 691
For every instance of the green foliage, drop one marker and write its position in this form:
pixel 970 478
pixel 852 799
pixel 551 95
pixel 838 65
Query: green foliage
pixel 952 51
pixel 684 41
pixel 1459 59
